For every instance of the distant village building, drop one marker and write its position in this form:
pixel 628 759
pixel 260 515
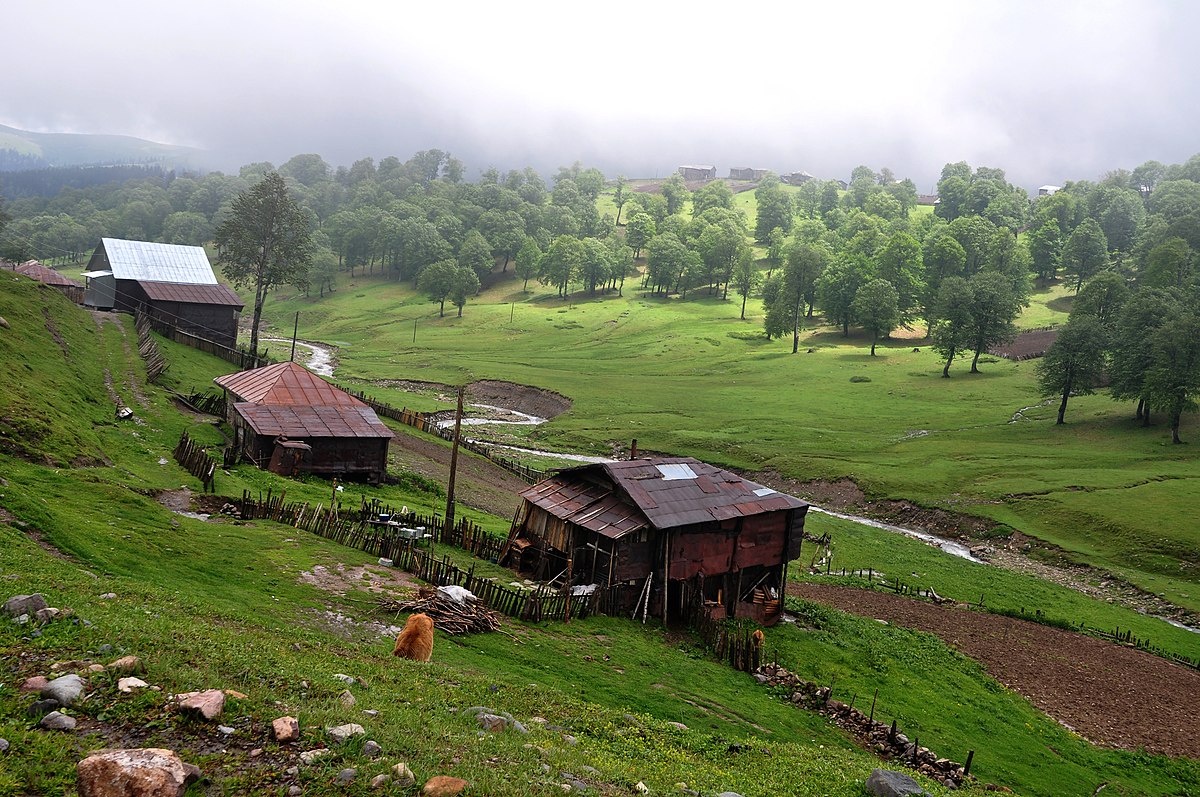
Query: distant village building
pixel 173 283
pixel 797 178
pixel 48 276
pixel 674 532
pixel 698 172
pixel 842 184
pixel 747 173
pixel 287 420
pixel 928 199
pixel 1049 190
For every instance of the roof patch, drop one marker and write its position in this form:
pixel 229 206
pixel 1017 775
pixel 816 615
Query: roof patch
pixel 675 472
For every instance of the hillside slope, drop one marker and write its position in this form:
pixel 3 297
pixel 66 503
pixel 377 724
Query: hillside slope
pixel 25 149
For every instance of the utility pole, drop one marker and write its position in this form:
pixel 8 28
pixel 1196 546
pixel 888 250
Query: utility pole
pixel 295 329
pixel 454 460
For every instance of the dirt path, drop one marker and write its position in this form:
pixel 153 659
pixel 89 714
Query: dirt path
pixel 131 383
pixel 1111 695
pixel 479 483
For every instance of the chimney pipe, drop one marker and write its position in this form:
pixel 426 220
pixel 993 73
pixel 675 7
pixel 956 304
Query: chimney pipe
pixel 633 449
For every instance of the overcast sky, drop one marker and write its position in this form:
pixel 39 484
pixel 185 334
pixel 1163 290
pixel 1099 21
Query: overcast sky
pixel 1049 91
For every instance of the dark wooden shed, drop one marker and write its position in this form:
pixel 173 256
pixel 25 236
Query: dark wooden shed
pixel 286 418
pixel 665 530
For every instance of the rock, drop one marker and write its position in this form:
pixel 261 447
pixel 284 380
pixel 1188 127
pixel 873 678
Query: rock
pixel 256 752
pixel 379 781
pixel 292 771
pixel 21 619
pixel 127 664
pixel 93 668
pixel 35 684
pixel 346 679
pixel 4 323
pixel 370 712
pixel 295 791
pixel 208 704
pixel 24 604
pixel 341 733
pixel 129 683
pixel 347 776
pixel 312 755
pixel 146 772
pixel 443 786
pixel 729 794
pixel 47 614
pixel 678 725
pixel 371 749
pixel 403 775
pixel 492 723
pixel 66 689
pixel 642 788
pixel 108 596
pixel 3 745
pixel 227 730
pixel 519 728
pixel 234 693
pixel 888 783
pixel 57 721
pixel 569 739
pixel 41 707
pixel 346 699
pixel 285 729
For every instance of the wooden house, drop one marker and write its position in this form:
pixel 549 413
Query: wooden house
pixel 663 533
pixel 698 172
pixel 48 276
pixel 747 173
pixel 172 283
pixel 290 420
pixel 797 178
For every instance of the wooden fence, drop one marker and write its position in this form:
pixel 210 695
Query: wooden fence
pixel 156 364
pixel 242 359
pixel 195 459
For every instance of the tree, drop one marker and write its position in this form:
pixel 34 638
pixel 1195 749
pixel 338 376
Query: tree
pixel 264 242
pixel 993 309
pixel 466 283
pixel 639 231
pixel 1173 378
pixel 943 258
pixel 837 287
pixel 1102 297
pixel 666 260
pixel 1139 319
pixel 876 306
pixel 953 330
pixel 620 262
pixel 528 257
pixel 745 277
pixel 476 254
pixel 1171 264
pixel 805 263
pixel 1085 252
pixel 899 262
pixel 594 268
pixel 561 262
pixel 712 195
pixel 1045 247
pixel 620 197
pixel 774 208
pixel 674 190
pixel 437 281
pixel 1074 364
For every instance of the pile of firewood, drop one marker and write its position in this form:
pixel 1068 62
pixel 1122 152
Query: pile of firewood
pixel 451 617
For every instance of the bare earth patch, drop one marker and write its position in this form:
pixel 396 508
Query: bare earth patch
pixel 378 580
pixel 1110 694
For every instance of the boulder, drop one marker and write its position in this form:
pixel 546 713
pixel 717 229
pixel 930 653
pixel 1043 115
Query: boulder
pixel 57 721
pixel 888 783
pixel 285 730
pixel 443 786
pixel 146 772
pixel 379 781
pixel 66 689
pixel 40 708
pixel 208 704
pixel 35 684
pixel 24 604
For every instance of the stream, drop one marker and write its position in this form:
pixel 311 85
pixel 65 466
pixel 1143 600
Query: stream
pixel 320 356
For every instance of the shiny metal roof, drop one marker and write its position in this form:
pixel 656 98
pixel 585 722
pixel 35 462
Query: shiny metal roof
pixel 143 260
pixel 285 384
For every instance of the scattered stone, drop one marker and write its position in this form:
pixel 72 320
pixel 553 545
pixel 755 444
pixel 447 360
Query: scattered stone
pixel 347 776
pixel 292 771
pixel 539 720
pixel 569 739
pixel 207 704
pixel 386 562
pixel 4 745
pixel 729 794
pixel 225 729
pixel 95 668
pixel 678 725
pixel 42 707
pixel 47 614
pixel 66 689
pixel 127 664
pixel 57 721
pixel 346 679
pixel 35 684
pixel 888 783
pixel 443 786
pixel 104 649
pixel 256 752
pixel 370 712
pixel 346 699
pixel 147 772
pixel 371 749
pixel 492 723
pixel 24 604
pixel 129 683
pixel 642 788
pixel 108 596
pixel 295 791
pixel 341 733
pixel 518 727
pixel 379 781
pixel 404 776
pixel 21 619
pixel 285 730
pixel 312 755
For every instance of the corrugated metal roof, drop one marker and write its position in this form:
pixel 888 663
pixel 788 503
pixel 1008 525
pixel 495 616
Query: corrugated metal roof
pixel 307 422
pixel 285 384
pixel 640 493
pixel 143 260
pixel 191 294
pixel 45 274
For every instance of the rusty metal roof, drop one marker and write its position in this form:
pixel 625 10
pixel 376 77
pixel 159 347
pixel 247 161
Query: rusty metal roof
pixel 190 294
pixel 285 384
pixel 614 498
pixel 44 274
pixel 306 422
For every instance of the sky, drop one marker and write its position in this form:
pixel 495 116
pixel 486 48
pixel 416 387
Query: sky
pixel 1049 91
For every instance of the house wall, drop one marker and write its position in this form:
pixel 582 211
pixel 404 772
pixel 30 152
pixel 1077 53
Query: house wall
pixel 101 292
pixel 215 322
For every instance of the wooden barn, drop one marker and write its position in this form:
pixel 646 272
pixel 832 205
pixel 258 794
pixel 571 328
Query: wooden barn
pixel 797 178
pixel 662 533
pixel 173 283
pixel 698 172
pixel 48 276
pixel 289 420
pixel 747 173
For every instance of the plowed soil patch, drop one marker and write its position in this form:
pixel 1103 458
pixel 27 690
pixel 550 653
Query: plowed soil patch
pixel 1111 695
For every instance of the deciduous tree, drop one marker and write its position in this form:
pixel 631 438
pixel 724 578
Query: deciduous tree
pixel 876 306
pixel 953 331
pixel 1085 252
pixel 1074 364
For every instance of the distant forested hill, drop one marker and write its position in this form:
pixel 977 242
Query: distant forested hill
pixel 22 150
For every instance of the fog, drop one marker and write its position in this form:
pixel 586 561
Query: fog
pixel 1047 91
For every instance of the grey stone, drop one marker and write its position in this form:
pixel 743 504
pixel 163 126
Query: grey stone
pixel 295 791
pixel 569 739
pixel 519 728
pixel 117 773
pixel 55 721
pixel 66 689
pixel 225 729
pixel 341 733
pixel 47 614
pixel 404 776
pixel 312 755
pixel 293 771
pixel 729 794
pixel 4 745
pixel 104 649
pixel 370 712
pixel 24 604
pixel 347 776
pixel 888 783
pixel 371 748
pixel 108 596
pixel 492 723
pixel 346 699
pixel 21 619
pixel 379 781
pixel 42 707
pixel 346 679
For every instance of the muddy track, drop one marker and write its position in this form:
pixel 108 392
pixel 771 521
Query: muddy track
pixel 1110 694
